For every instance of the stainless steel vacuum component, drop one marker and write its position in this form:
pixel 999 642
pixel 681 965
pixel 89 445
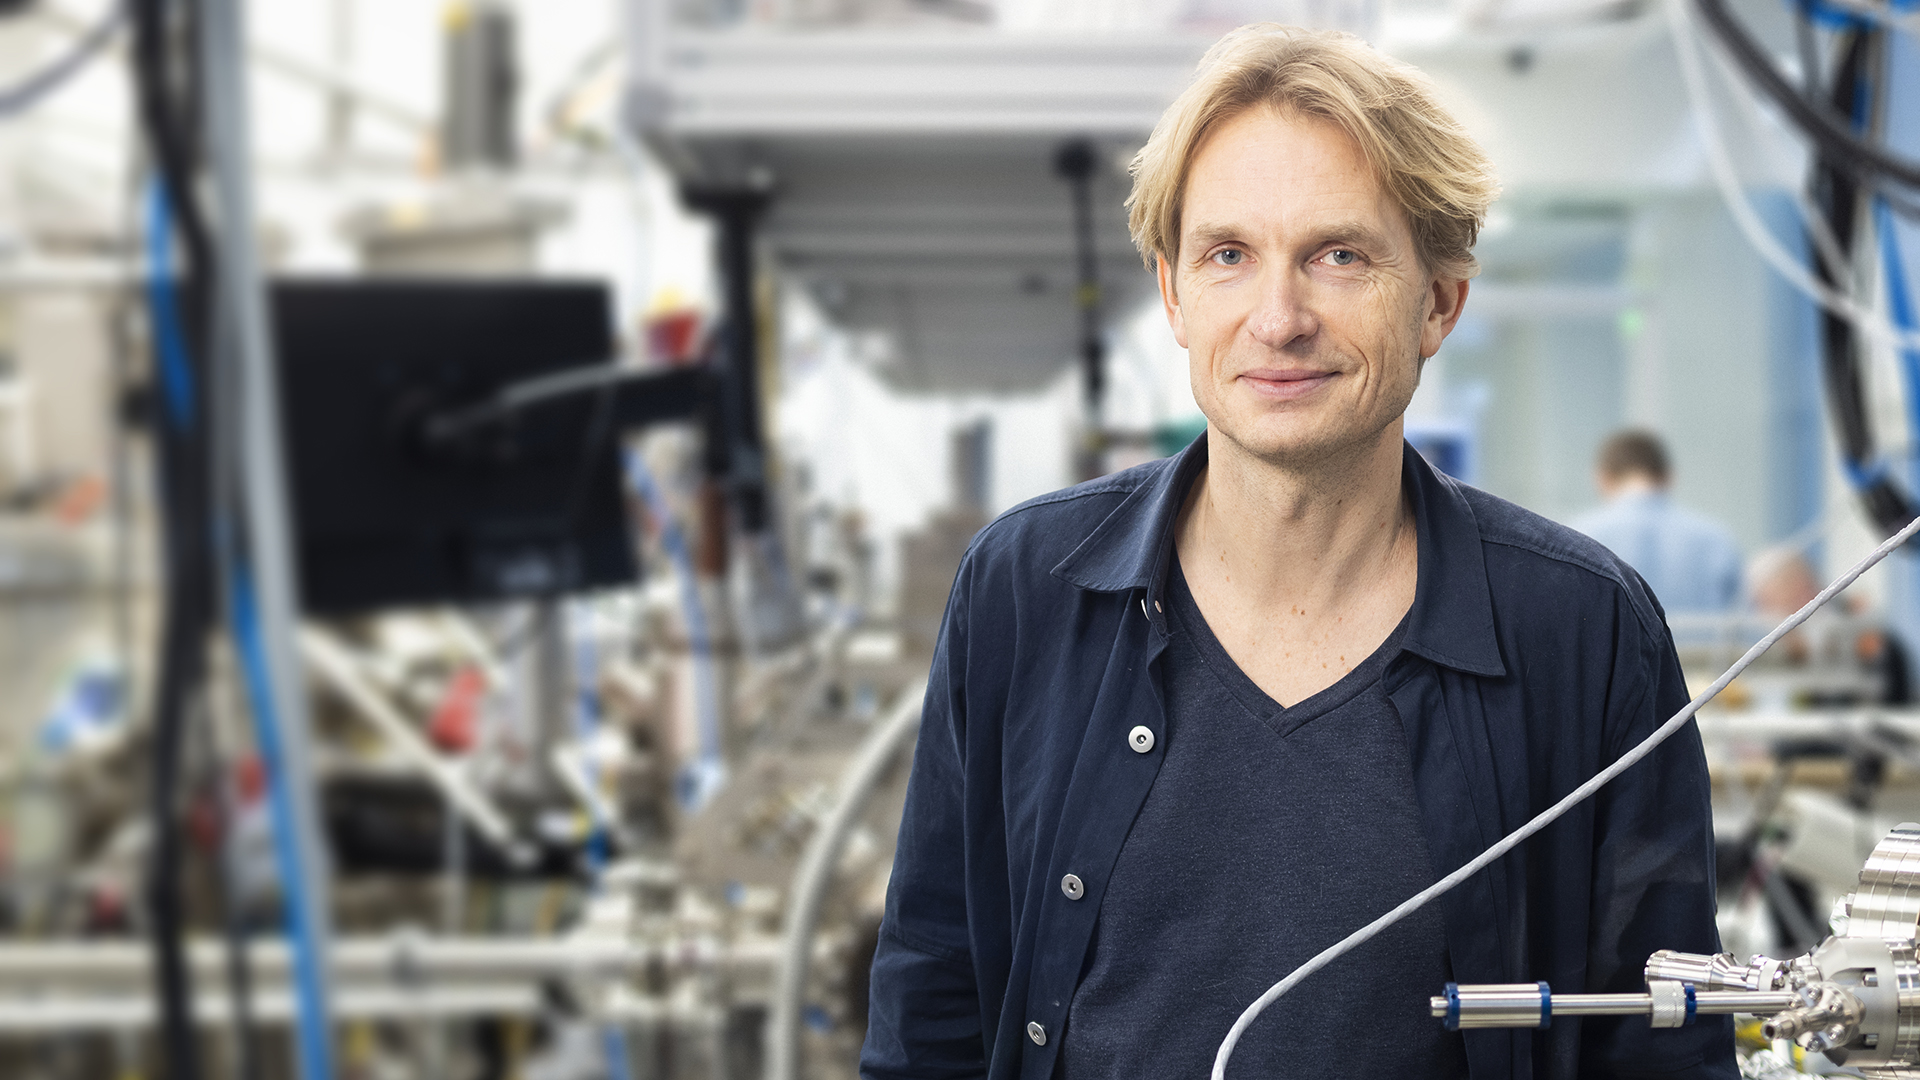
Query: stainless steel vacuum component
pixel 1854 998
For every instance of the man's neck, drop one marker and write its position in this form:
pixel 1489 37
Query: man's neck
pixel 1298 536
pixel 1635 487
pixel 1301 573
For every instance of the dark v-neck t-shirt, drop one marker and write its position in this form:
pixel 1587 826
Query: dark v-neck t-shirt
pixel 1269 834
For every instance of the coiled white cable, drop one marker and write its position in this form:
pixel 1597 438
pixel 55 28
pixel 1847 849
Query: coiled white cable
pixel 1552 813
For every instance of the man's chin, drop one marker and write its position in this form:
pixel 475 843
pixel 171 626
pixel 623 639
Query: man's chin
pixel 1298 446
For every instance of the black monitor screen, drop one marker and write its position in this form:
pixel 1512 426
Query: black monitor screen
pixel 535 507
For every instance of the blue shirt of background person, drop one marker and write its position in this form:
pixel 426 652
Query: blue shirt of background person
pixel 1689 561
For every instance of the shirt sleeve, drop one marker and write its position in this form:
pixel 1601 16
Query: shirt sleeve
pixel 1653 883
pixel 924 1016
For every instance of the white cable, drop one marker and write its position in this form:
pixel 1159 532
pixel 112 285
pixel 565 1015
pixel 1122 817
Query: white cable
pixel 1552 813
pixel 1867 321
pixel 30 91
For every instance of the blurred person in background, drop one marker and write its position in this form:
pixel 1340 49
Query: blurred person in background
pixel 1782 581
pixel 1689 561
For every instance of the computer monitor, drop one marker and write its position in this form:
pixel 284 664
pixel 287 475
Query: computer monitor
pixel 533 506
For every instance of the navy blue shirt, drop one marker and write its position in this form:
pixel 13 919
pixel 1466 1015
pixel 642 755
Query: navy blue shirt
pixel 1266 831
pixel 1532 658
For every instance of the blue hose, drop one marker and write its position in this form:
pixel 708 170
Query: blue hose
pixel 701 778
pixel 315 1042
pixel 586 722
pixel 176 377
pixel 179 392
pixel 170 341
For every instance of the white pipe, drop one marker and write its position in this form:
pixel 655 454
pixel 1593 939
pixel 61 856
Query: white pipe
pixel 51 968
pixel 130 1013
pixel 330 660
pixel 815 874
pixel 1772 724
pixel 570 765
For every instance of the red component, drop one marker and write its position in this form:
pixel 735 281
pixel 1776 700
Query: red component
pixel 250 778
pixel 106 911
pixel 673 338
pixel 204 822
pixel 455 719
pixel 78 500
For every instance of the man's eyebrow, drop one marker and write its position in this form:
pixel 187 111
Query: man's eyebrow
pixel 1358 233
pixel 1207 234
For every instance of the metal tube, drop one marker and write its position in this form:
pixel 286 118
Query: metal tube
pixel 41 1015
pixel 1602 1004
pixel 43 966
pixel 1722 1002
pixel 815 873
pixel 1493 1005
pixel 1513 1005
pixel 36 1016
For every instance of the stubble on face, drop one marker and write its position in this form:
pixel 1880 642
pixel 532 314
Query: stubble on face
pixel 1297 291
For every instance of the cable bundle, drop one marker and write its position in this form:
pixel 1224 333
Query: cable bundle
pixel 224 527
pixel 1856 186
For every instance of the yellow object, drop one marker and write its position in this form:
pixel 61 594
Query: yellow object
pixel 668 299
pixel 360 1045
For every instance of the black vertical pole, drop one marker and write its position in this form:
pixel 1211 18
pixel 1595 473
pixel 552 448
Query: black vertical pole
pixel 741 452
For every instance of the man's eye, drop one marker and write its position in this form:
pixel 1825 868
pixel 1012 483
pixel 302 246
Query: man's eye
pixel 1230 257
pixel 1343 257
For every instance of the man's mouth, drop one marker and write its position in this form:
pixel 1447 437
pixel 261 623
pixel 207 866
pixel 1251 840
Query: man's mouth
pixel 1287 384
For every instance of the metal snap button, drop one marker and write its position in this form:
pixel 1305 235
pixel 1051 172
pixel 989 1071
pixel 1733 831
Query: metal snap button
pixel 1037 1033
pixel 1141 739
pixel 1073 887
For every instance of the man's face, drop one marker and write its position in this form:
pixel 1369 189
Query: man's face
pixel 1298 292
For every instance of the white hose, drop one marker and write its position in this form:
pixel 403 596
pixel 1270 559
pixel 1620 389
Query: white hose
pixel 815 873
pixel 1551 814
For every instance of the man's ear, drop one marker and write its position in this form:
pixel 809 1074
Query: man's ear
pixel 1170 300
pixel 1446 298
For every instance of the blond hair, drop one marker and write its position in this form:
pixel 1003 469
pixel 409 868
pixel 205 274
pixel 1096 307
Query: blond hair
pixel 1418 151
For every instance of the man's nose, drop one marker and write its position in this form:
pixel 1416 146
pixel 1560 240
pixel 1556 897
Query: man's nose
pixel 1284 315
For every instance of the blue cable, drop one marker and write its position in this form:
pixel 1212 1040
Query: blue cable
pixel 699 780
pixel 170 341
pixel 315 1042
pixel 586 721
pixel 176 377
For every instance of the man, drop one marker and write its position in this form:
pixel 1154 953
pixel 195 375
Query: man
pixel 1193 722
pixel 1690 562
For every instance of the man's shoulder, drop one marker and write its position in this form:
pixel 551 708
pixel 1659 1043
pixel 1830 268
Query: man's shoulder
pixel 1040 532
pixel 1536 562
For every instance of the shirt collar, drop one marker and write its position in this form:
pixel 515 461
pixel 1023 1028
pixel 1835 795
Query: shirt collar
pixel 1451 622
pixel 1642 497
